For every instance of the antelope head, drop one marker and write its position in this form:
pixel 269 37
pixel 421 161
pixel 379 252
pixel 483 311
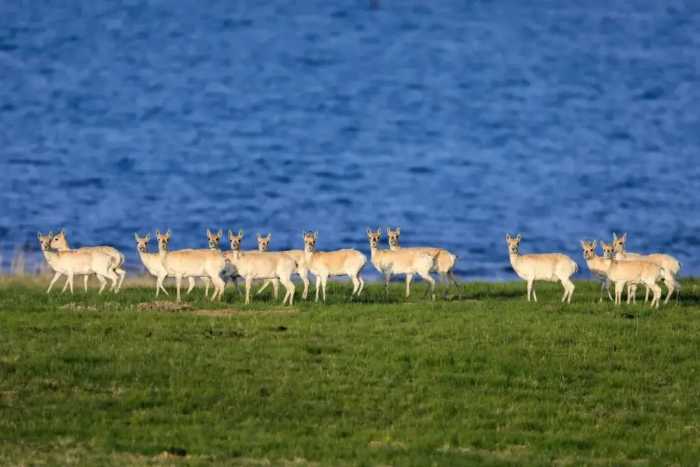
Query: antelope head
pixel 588 249
pixel 393 237
pixel 163 240
pixel 264 242
pixel 214 239
pixel 59 241
pixel 44 241
pixel 608 250
pixel 235 240
pixel 142 242
pixel 310 241
pixel 513 243
pixel 618 243
pixel 374 237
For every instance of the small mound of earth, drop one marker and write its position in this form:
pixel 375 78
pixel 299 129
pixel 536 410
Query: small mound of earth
pixel 163 306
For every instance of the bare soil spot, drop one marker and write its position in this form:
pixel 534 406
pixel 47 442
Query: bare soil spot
pixel 78 307
pixel 162 305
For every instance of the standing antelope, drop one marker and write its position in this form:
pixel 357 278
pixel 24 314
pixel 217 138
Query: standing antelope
pixel 404 261
pixel 444 263
pixel 667 262
pixel 191 263
pixel 72 262
pixel 296 255
pixel 550 267
pixel 153 264
pixel 262 265
pixel 597 265
pixel 323 264
pixel 633 272
pixel 60 242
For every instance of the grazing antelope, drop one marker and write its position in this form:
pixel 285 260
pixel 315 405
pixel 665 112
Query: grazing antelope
pixel 263 265
pixel 550 267
pixel 632 271
pixel 72 262
pixel 191 263
pixel 152 262
pixel 444 264
pixel 296 255
pixel 60 242
pixel 323 264
pixel 597 265
pixel 406 261
pixel 667 262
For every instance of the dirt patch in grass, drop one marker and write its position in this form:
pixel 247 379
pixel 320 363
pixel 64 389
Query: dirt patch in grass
pixel 163 305
pixel 214 312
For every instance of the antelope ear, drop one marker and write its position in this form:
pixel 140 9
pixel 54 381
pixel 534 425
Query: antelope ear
pixel 508 237
pixel 230 234
pixel 209 233
pixel 167 234
pixel 595 242
pixel 624 237
pixel 398 230
pixel 38 235
pixel 220 233
pixel 136 236
pixel 583 243
pixel 369 231
pixel 257 236
pixel 157 233
pixel 240 232
pixel 614 236
pixel 315 234
pixel 63 231
pixel 269 237
pixel 519 237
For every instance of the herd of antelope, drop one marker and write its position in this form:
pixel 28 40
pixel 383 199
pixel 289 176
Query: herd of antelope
pixel 215 267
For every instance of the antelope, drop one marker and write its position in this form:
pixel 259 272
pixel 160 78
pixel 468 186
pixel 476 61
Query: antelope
pixel 323 264
pixel 72 262
pixel 296 255
pixel 634 271
pixel 667 262
pixel 213 241
pixel 444 263
pixel 60 242
pixel 404 261
pixel 550 267
pixel 262 265
pixel 152 262
pixel 191 263
pixel 597 265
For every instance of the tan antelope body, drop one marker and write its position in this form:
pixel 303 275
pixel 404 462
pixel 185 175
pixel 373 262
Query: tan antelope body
pixel 323 264
pixel 404 261
pixel 77 262
pixel 668 262
pixel 296 255
pixel 153 264
pixel 550 267
pixel 634 272
pixel 191 263
pixel 264 265
pixel 60 242
pixel 597 265
pixel 445 261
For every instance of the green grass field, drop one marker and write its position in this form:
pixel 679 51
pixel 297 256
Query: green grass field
pixel 488 379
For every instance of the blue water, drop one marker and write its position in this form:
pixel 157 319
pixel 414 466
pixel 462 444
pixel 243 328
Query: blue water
pixel 457 120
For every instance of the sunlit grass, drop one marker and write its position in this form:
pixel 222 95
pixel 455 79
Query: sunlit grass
pixel 490 379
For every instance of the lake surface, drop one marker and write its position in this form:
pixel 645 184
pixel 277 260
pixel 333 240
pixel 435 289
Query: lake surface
pixel 458 121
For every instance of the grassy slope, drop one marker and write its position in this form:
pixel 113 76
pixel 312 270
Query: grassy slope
pixel 488 379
